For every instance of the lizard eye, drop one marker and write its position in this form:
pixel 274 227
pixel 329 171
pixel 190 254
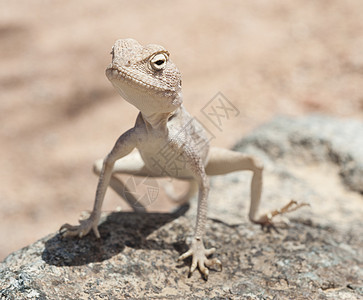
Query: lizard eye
pixel 158 61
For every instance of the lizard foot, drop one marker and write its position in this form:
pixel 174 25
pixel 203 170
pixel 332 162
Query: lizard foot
pixel 199 258
pixel 81 230
pixel 266 220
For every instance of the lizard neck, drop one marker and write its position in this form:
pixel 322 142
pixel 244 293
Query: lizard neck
pixel 157 121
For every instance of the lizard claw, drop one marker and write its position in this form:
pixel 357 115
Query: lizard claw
pixel 199 258
pixel 266 220
pixel 269 227
pixel 81 230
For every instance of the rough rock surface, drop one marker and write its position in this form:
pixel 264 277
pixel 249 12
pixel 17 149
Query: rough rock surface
pixel 318 256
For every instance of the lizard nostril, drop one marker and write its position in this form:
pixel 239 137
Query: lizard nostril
pixel 113 53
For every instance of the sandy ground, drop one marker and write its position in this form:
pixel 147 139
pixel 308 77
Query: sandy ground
pixel 59 113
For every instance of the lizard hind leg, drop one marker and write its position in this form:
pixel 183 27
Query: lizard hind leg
pixel 223 161
pixel 131 164
pixel 185 197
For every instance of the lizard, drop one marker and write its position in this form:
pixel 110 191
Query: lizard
pixel 146 77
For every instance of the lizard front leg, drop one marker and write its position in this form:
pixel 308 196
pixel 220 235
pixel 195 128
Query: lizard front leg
pixel 124 145
pixel 197 250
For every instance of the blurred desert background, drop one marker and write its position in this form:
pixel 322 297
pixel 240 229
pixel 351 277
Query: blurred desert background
pixel 59 113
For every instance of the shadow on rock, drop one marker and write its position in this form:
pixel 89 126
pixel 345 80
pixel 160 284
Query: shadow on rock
pixel 120 229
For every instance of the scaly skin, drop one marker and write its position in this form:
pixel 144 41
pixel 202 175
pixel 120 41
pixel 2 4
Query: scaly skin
pixel 147 78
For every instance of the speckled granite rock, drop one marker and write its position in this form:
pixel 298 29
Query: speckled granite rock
pixel 318 256
pixel 314 138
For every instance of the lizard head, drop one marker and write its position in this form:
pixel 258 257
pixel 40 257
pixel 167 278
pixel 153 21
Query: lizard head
pixel 145 76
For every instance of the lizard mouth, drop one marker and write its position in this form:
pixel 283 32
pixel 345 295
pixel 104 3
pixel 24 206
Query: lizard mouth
pixel 130 76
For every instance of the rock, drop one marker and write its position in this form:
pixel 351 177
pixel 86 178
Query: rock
pixel 318 256
pixel 314 138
